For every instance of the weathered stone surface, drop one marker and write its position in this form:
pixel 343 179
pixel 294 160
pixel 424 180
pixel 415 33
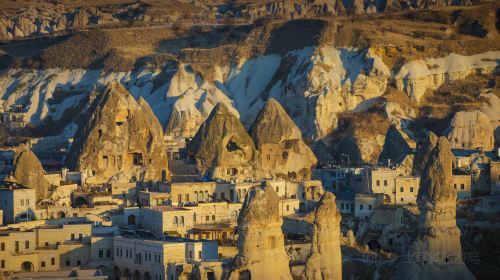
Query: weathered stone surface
pixel 282 152
pixel 29 172
pixel 121 141
pixel 325 260
pixel 222 147
pixel 261 245
pixel 438 242
pixel 471 130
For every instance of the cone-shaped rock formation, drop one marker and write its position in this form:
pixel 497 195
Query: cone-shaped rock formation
pixel 222 148
pixel 121 141
pixel 29 172
pixel 282 152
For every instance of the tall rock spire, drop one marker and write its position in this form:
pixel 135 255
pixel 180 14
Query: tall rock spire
pixel 325 260
pixel 436 253
pixel 261 245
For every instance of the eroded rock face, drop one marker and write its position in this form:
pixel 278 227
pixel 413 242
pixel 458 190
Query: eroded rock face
pixel 438 242
pixel 29 172
pixel 417 76
pixel 222 147
pixel 325 260
pixel 261 245
pixel 282 152
pixel 46 20
pixel 121 141
pixel 471 130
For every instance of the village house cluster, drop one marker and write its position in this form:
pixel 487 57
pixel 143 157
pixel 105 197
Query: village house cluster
pixel 123 200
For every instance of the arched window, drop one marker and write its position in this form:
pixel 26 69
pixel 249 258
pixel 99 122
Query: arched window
pixel 182 220
pixel 206 195
pixel 200 196
pixel 176 221
pixel 195 196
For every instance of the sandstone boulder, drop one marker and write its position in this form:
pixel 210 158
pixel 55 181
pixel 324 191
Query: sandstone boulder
pixel 222 147
pixel 121 141
pixel 436 253
pixel 471 130
pixel 261 245
pixel 325 260
pixel 29 172
pixel 282 152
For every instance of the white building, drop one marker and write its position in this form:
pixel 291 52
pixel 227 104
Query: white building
pixel 381 180
pixel 150 259
pixel 17 202
pixel 365 204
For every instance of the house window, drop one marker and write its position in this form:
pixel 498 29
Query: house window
pixel 101 253
pixel 27 202
pixel 277 189
pixel 402 189
pixel 42 264
pixel 213 217
pixel 2 246
pixel 378 183
pixel 369 207
pixel 52 261
pixel 17 246
pixel 199 255
pixel 385 183
pixel 2 263
pixel 80 237
pixel 288 208
pixel 68 263
pixel 401 199
pixel 411 189
pixel 455 186
pixel 137 158
pixel 22 202
pixel 179 198
pixel 462 187
pixel 26 244
pixel 361 207
pixel 187 197
pixel 78 263
pixel 108 253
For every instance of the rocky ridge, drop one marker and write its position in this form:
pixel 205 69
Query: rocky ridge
pixel 35 22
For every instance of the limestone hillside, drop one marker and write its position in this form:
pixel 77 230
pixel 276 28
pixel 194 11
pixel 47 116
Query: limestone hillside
pixel 353 78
